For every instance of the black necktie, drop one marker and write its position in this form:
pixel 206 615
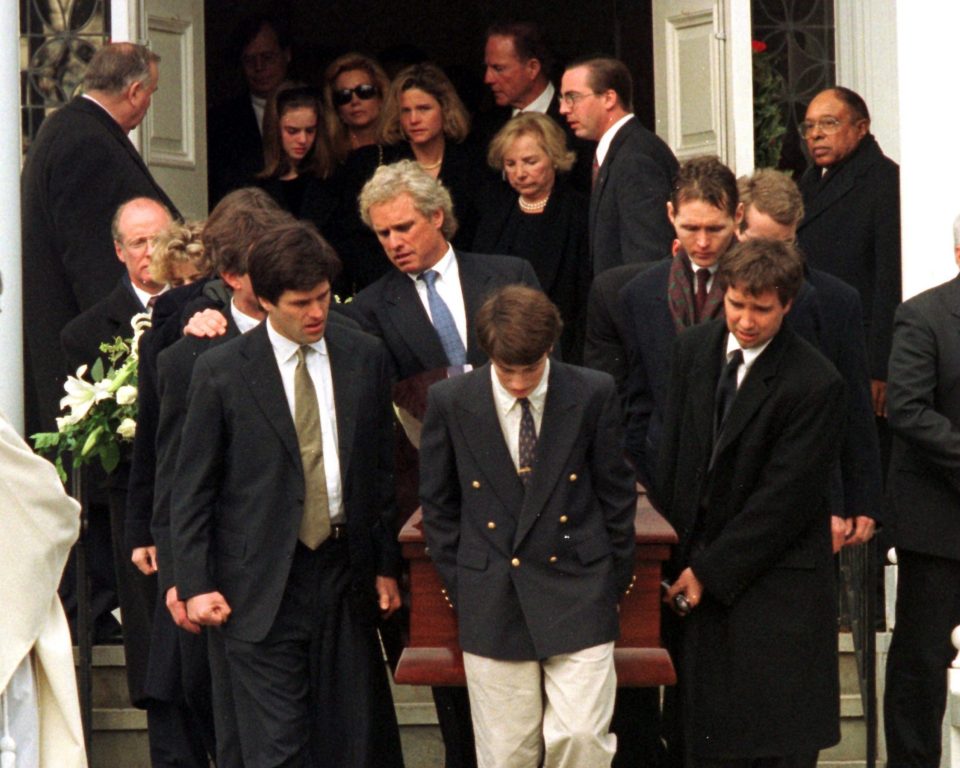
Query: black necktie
pixel 726 391
pixel 528 441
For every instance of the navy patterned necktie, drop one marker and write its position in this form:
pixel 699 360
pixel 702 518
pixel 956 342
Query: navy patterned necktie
pixel 528 441
pixel 443 321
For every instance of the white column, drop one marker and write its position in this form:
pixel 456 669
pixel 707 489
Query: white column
pixel 11 338
pixel 929 150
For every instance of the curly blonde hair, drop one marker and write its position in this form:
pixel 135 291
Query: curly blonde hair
pixel 179 244
pixel 350 62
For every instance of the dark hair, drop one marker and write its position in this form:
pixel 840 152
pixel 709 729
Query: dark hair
pixel 705 178
pixel 117 65
pixel 608 74
pixel 529 42
pixel 250 26
pixel 759 265
pixel 854 102
pixel 291 256
pixel 518 325
pixel 235 222
pixel 319 160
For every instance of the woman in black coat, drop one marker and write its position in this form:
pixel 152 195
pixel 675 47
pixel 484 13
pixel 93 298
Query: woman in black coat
pixel 536 215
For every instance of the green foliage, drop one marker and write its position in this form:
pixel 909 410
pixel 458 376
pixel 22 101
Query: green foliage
pixel 769 125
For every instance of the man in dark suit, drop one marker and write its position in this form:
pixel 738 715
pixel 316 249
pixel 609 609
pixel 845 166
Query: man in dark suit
pixel 235 133
pixel 851 228
pixel 282 518
pixel 924 484
pixel 633 167
pixel 79 169
pixel 827 314
pixel 412 215
pixel 750 434
pixel 528 509
pixel 113 577
pixel 517 66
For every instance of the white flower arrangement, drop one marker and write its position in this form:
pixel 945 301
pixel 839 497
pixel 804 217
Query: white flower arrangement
pixel 100 414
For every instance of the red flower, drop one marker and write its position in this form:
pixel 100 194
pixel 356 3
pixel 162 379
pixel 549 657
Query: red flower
pixel 758 46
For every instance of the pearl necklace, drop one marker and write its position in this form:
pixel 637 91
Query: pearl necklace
pixel 533 207
pixel 432 166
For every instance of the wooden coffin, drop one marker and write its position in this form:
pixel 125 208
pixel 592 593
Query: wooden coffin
pixel 433 656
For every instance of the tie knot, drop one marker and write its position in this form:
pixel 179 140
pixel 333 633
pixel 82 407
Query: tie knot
pixel 524 403
pixel 736 358
pixel 429 277
pixel 302 351
pixel 703 274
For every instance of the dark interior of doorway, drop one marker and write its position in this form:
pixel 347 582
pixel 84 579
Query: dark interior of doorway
pixel 450 32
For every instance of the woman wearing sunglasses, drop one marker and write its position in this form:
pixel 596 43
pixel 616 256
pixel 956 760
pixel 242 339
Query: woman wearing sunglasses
pixel 353 90
pixel 298 163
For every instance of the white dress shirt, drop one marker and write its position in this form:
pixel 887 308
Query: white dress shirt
pixel 509 410
pixel 749 356
pixel 448 286
pixel 242 320
pixel 540 104
pixel 318 366
pixel 604 144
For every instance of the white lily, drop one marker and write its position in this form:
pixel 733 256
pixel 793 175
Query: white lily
pixel 82 394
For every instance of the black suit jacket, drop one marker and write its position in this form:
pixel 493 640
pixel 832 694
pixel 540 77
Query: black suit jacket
pixel 628 205
pixel 538 571
pixel 851 229
pixel 560 254
pixel 607 332
pixel 237 506
pixel 69 262
pixel 923 398
pixel 234 147
pixel 752 512
pixel 392 310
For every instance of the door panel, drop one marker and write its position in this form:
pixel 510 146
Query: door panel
pixel 174 139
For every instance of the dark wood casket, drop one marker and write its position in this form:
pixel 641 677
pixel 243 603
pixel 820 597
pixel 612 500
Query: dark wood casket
pixel 433 656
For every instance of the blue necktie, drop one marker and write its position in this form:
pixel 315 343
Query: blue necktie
pixel 443 321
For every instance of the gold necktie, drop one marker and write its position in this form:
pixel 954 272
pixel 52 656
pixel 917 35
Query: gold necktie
pixel 315 525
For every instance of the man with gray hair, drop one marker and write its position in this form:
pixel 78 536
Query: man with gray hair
pixel 79 169
pixel 424 309
pixel 923 400
pixel 424 312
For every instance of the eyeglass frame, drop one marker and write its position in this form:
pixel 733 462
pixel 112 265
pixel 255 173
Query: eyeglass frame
pixel 572 98
pixel 835 124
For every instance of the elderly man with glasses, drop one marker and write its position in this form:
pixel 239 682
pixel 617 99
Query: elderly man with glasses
pixel 851 229
pixel 633 169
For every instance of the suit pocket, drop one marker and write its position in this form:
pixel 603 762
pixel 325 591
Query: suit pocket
pixel 231 544
pixel 593 549
pixel 474 559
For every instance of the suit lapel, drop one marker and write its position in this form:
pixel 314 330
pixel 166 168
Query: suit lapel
pixel 753 391
pixel 704 375
pixel 473 284
pixel 481 433
pixel 411 322
pixel 262 375
pixel 345 371
pixel 559 429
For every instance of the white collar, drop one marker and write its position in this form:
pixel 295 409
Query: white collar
pixel 285 348
pixel 504 401
pixel 540 104
pixel 603 145
pixel 442 267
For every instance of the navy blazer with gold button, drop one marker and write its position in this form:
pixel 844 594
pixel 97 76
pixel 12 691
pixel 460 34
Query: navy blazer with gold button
pixel 532 572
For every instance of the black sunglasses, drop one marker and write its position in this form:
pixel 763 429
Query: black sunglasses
pixel 364 92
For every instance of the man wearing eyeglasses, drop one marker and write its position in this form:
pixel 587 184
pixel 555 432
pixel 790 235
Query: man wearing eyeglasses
pixel 633 168
pixel 852 224
pixel 235 142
